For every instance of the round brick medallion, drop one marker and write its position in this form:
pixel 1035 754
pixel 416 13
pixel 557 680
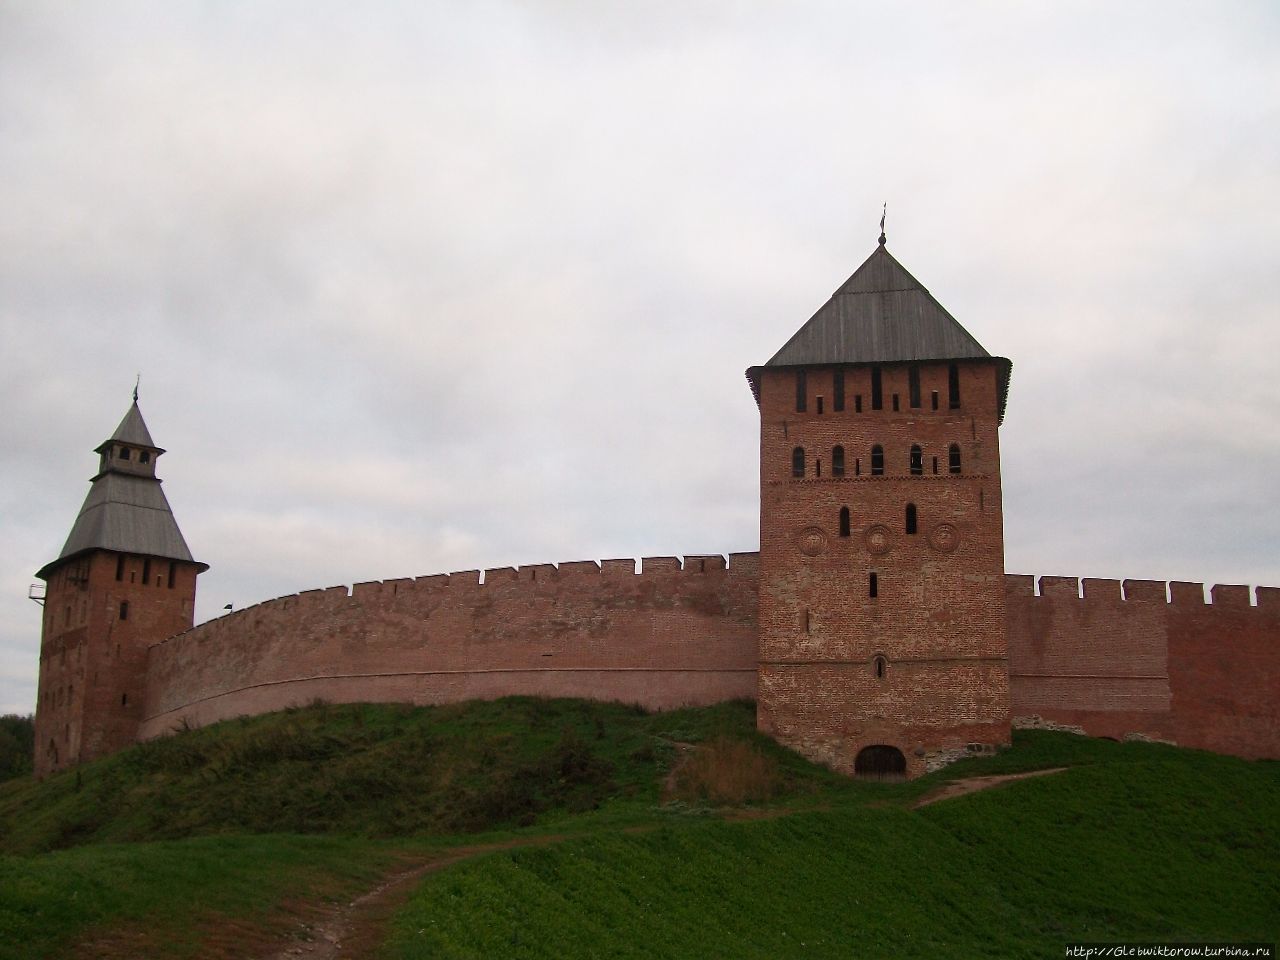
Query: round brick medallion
pixel 878 539
pixel 944 538
pixel 812 541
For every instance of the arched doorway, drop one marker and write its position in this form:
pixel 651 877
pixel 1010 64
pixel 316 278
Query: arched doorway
pixel 880 762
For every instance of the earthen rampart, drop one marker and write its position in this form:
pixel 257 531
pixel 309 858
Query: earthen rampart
pixel 664 633
pixel 1144 658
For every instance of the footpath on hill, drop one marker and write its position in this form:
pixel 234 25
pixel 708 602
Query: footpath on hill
pixel 358 928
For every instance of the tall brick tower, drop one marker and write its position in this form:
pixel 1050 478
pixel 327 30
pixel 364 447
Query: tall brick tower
pixel 124 580
pixel 882 633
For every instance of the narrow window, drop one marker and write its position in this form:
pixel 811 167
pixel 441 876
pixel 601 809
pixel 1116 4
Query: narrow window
pixel 880 666
pixel 877 460
pixel 917 461
pixel 953 458
pixel 802 392
pixel 935 399
pixel 911 519
pixel 857 403
pixel 124 609
pixel 797 462
pixel 953 386
pixel 124 699
pixel 124 453
pixel 120 567
pixel 857 466
pixel 144 456
pixel 913 386
pixel 817 467
pixel 844 521
pixel 837 461
pixel 806 621
pixel 982 500
pixel 935 465
pixel 146 572
pixel 895 403
pixel 877 394
pixel 173 567
pixel 873 586
pixel 820 405
pixel 837 391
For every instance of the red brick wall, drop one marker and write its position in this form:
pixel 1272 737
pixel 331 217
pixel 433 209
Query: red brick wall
pixel 93 663
pixel 670 635
pixel 1124 661
pixel 938 618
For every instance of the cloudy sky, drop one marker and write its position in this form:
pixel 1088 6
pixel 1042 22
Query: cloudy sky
pixel 426 287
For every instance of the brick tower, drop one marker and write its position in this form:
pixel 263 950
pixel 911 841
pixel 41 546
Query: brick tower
pixel 882 632
pixel 123 581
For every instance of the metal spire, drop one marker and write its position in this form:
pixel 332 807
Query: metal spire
pixel 138 382
pixel 883 213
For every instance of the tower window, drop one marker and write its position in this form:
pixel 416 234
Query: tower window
pixel 935 465
pixel 873 586
pixel 877 394
pixel 144 456
pixel 895 403
pixel 877 460
pixel 857 403
pixel 935 399
pixel 124 453
pixel 146 572
pixel 913 386
pixel 820 405
pixel 837 461
pixel 880 665
pixel 802 392
pixel 124 609
pixel 124 699
pixel 797 462
pixel 173 573
pixel 817 467
pixel 953 386
pixel 953 458
pixel 917 461
pixel 857 466
pixel 120 567
pixel 911 519
pixel 844 521
pixel 837 391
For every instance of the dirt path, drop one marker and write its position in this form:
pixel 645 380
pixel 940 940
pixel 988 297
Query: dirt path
pixel 958 788
pixel 357 929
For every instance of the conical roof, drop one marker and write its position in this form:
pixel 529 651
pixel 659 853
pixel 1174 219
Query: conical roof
pixel 881 314
pixel 126 512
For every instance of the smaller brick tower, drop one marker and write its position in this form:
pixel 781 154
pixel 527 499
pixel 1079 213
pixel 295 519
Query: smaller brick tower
pixel 123 581
pixel 882 632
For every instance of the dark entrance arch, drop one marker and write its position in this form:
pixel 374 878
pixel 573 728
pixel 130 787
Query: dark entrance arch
pixel 880 763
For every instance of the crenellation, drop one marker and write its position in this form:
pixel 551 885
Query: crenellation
pixel 1184 593
pixel 618 568
pixel 656 566
pixel 1230 595
pixel 579 568
pixel 1059 588
pixel 1146 591
pixel 1269 599
pixel 1095 588
pixel 499 575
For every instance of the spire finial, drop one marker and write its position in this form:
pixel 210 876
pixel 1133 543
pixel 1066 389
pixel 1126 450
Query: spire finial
pixel 136 384
pixel 883 213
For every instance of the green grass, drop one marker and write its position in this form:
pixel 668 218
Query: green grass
pixel 1179 846
pixel 1135 841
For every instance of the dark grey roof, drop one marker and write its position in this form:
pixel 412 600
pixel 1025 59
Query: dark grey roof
pixel 126 512
pixel 881 314
pixel 132 430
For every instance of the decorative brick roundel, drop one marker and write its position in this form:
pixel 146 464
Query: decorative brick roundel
pixel 944 538
pixel 812 541
pixel 878 539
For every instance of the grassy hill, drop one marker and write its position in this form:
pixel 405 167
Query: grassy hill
pixel 682 834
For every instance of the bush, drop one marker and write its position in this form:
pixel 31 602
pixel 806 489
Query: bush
pixel 726 771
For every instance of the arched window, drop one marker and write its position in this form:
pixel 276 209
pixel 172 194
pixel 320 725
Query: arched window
pixel 953 458
pixel 837 461
pixel 797 462
pixel 880 666
pixel 124 453
pixel 877 460
pixel 911 518
pixel 844 521
pixel 917 461
pixel 144 456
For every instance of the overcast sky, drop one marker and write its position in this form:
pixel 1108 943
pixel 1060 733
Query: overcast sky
pixel 427 287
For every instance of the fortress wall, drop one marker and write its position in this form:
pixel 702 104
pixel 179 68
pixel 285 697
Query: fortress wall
pixel 1116 659
pixel 670 634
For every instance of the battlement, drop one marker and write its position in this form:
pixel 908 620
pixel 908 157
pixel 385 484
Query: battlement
pixel 1177 594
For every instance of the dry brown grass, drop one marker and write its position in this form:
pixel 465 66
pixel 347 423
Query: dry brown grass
pixel 725 771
